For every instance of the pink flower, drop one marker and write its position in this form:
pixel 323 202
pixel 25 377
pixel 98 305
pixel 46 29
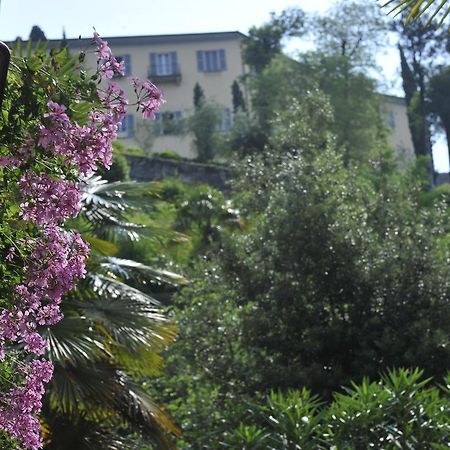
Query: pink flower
pixel 150 98
pixel 20 404
pixel 10 161
pixel 108 66
pixel 47 200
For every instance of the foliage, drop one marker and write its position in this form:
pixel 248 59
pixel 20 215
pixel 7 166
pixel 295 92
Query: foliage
pixel 339 67
pixel 351 30
pixel 168 154
pixel 199 95
pixel 438 92
pixel 112 335
pixel 39 190
pixel 120 169
pixel 146 133
pixel 36 34
pixel 206 212
pixel 237 98
pixel 205 397
pixel 203 124
pixel 315 289
pixel 265 42
pixel 399 411
pixel 244 137
pixel 417 8
pixel 58 125
pixel 341 270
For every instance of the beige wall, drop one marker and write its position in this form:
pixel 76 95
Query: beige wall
pixel 179 95
pixel 394 110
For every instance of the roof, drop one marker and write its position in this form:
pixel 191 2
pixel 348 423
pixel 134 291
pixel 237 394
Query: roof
pixel 115 41
pixel 394 99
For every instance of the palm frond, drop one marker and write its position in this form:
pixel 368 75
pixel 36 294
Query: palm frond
pixel 83 390
pixel 119 195
pixel 129 269
pixel 100 246
pixel 415 9
pixel 73 341
pixel 128 316
pixel 140 408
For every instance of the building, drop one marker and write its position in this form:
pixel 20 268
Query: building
pixel 395 113
pixel 175 63
pixel 214 60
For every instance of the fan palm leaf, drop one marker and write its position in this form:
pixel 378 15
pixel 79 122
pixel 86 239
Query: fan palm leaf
pixel 112 331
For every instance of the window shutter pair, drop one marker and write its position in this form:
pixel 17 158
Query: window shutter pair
pixel 211 60
pixel 155 68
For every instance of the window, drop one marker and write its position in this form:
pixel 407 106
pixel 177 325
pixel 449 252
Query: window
pixel 211 60
pixel 169 122
pixel 390 120
pixel 127 63
pixel 163 64
pixel 126 128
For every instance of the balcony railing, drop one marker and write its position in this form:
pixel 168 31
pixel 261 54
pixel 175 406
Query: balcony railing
pixel 170 73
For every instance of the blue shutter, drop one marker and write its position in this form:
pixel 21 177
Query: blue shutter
pixel 127 61
pixel 222 59
pixel 200 61
pixel 153 64
pixel 173 62
pixel 130 124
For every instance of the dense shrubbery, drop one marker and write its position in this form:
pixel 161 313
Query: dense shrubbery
pixel 402 410
pixel 336 273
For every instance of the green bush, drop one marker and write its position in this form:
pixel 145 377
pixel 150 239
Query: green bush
pixel 168 154
pixel 401 411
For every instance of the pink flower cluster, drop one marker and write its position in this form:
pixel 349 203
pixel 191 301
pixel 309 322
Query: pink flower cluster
pixel 83 145
pixel 19 406
pixel 52 270
pixel 56 258
pixel 47 200
pixel 149 97
pixel 108 65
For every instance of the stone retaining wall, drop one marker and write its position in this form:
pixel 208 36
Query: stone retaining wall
pixel 152 169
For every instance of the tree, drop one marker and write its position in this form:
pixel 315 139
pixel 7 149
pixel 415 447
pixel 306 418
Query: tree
pixel 326 303
pixel 199 95
pixel 418 47
pixel 111 337
pixel 265 42
pixel 204 124
pixel 439 91
pixel 237 98
pixel 36 34
pixel 353 31
pixel 347 38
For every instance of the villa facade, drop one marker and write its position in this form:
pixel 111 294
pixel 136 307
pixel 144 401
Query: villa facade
pixel 175 63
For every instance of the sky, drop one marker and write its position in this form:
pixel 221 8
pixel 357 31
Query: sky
pixel 141 17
